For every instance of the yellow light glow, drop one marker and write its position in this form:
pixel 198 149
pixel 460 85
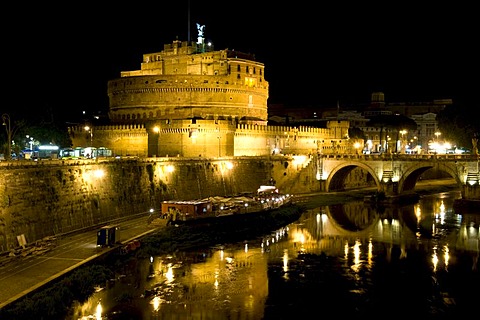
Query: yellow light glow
pixel 285 260
pixel 418 212
pixel 299 160
pixel 435 260
pixel 98 312
pixel 370 253
pixel 169 275
pixel 99 173
pixel 447 255
pixel 216 283
pixel 156 303
pixel 356 254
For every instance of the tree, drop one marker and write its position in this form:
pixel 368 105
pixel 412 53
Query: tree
pixel 459 124
pixel 392 122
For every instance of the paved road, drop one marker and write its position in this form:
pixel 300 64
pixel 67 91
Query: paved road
pixel 22 275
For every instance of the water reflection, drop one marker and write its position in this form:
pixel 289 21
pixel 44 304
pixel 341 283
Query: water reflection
pixel 366 261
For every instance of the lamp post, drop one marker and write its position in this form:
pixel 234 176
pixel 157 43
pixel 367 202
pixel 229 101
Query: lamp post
pixel 218 137
pixel 8 128
pixel 156 130
pixel 90 131
pixel 402 140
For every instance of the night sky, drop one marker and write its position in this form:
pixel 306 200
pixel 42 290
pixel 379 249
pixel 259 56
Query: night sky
pixel 60 56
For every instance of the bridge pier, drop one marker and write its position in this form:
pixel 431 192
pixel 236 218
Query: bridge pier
pixel 388 193
pixel 470 201
pixel 389 188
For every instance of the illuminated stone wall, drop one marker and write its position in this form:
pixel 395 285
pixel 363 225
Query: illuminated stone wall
pixel 215 138
pixel 123 140
pixel 205 104
pixel 52 197
pixel 182 82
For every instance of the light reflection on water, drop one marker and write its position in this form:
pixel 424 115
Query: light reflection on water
pixel 354 258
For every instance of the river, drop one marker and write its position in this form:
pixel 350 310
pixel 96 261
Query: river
pixel 419 260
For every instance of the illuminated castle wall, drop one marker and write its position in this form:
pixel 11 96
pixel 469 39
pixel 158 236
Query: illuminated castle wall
pixel 191 101
pixel 185 81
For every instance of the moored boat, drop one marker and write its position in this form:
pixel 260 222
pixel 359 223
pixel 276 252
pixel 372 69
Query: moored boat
pixel 181 211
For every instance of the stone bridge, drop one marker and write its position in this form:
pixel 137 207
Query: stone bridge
pixel 397 174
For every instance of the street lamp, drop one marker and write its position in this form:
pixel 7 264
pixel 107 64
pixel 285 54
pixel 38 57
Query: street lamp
pixel 218 137
pixel 402 140
pixel 8 128
pixel 156 130
pixel 90 131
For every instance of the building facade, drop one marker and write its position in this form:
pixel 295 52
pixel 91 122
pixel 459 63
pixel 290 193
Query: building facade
pixel 192 101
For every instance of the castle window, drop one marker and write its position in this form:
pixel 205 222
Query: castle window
pixel 246 69
pixel 238 67
pixel 238 76
pixel 254 70
pixel 260 71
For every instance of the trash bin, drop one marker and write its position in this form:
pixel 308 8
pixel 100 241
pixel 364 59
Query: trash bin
pixel 107 236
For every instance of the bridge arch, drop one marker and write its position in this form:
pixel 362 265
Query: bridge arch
pixel 359 220
pixel 353 217
pixel 336 178
pixel 409 178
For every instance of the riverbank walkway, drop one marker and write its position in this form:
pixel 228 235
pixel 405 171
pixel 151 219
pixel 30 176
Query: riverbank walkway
pixel 33 268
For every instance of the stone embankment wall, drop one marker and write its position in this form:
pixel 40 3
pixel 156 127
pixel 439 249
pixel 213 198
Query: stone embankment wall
pixel 48 198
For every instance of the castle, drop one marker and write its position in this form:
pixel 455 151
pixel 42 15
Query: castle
pixel 189 100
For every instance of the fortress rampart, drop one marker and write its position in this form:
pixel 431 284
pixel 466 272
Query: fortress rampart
pixel 154 97
pixel 52 197
pixel 215 138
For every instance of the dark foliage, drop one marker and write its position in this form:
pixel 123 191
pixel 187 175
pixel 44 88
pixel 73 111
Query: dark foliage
pixel 55 301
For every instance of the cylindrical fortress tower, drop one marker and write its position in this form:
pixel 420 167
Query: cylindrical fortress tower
pixel 188 80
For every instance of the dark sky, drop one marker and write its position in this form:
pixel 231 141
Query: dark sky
pixel 60 56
